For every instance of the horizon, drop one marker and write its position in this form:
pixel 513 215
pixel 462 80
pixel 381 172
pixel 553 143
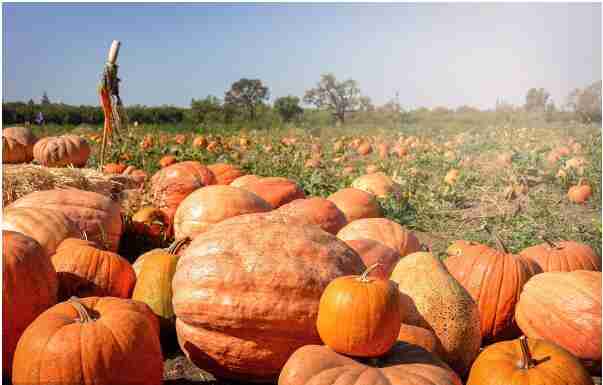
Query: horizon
pixel 451 54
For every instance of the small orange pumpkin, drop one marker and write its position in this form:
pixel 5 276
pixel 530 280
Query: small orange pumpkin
pixel 167 160
pixel 579 193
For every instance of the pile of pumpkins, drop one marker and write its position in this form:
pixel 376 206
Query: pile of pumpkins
pixel 265 284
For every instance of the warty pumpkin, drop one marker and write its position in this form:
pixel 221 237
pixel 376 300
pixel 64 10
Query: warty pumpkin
pixel 360 316
pixel 564 308
pixel 101 341
pixel 356 204
pixel 29 287
pixel 404 364
pixel 563 256
pixel 527 362
pixel 246 295
pixel 61 151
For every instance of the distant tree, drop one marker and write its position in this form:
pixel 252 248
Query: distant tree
pixel 337 97
pixel 247 94
pixel 586 103
pixel 365 104
pixel 288 107
pixel 536 99
pixel 45 99
pixel 206 110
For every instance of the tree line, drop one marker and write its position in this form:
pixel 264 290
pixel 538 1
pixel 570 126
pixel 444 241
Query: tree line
pixel 246 102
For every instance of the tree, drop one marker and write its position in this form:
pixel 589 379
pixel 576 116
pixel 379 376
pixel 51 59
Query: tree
pixel 536 99
pixel 586 103
pixel 288 107
pixel 45 99
pixel 206 110
pixel 248 94
pixel 338 97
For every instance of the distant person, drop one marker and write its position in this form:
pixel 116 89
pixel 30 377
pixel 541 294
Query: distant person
pixel 40 118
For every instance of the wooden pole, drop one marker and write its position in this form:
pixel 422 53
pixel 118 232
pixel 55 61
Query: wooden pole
pixel 111 60
pixel 113 52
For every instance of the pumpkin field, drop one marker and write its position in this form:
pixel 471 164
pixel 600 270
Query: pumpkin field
pixel 459 254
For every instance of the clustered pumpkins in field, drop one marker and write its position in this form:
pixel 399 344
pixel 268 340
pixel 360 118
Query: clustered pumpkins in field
pixel 266 284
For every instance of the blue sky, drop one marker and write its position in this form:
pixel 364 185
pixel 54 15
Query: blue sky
pixel 433 54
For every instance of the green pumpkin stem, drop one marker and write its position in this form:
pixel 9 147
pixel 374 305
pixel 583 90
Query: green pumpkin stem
pixel 526 357
pixel 84 317
pixel 364 276
pixel 499 242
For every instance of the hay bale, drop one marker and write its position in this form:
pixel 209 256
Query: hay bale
pixel 21 179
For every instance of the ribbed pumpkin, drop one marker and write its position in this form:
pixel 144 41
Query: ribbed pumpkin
pixel 101 341
pixel 382 230
pixel 170 185
pixel 225 173
pixel 378 184
pixel 373 252
pixel 356 204
pixel 87 271
pixel 13 151
pixel 62 151
pixel 95 214
pixel 24 136
pixel 246 295
pixel 404 364
pixel 319 211
pixel 564 308
pixel 360 316
pixel 29 287
pixel 494 278
pixel 213 204
pixel 245 179
pixel 435 300
pixel 527 362
pixel 563 256
pixel 275 190
pixel 45 226
pixel 422 337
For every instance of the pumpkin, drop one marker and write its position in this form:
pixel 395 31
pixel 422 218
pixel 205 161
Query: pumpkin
pixel 382 230
pixel 139 176
pixel 383 149
pixel 359 316
pixel 62 151
pixel 526 362
pixel 356 204
pixel 199 142
pixel 180 139
pixel 364 148
pixel 243 180
pixel 87 271
pixel 579 193
pixel 435 300
pixel 319 211
pixel 212 204
pixel 167 160
pixel 13 151
pixel 563 256
pixel 24 136
pixel 93 213
pixel 451 176
pixel 275 190
pixel 422 337
pixel 246 295
pixel 101 341
pixel 373 252
pixel 564 308
pixel 378 184
pixel 29 287
pixel 114 168
pixel 225 173
pixel 47 227
pixel 404 364
pixel 170 185
pixel 149 221
pixel 494 278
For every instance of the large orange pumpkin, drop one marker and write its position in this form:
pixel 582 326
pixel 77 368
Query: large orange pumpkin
pixel 563 256
pixel 212 204
pixel 382 230
pixel 243 180
pixel 360 316
pixel 356 204
pixel 246 295
pixel 404 364
pixel 87 271
pixel 527 362
pixel 494 278
pixel 319 211
pixel 29 287
pixel 170 185
pixel 61 151
pixel 101 341
pixel 275 190
pixel 13 151
pixel 373 252
pixel 225 173
pixel 95 214
pixel 564 308
pixel 24 136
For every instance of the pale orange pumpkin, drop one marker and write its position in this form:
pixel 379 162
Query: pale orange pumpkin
pixel 356 204
pixel 61 151
pixel 382 230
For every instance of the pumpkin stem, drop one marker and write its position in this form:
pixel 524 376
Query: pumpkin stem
pixel 364 276
pixel 551 243
pixel 81 310
pixel 84 235
pixel 177 244
pixel 499 242
pixel 526 357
